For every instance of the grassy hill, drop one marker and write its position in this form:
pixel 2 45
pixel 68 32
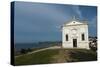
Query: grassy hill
pixel 56 56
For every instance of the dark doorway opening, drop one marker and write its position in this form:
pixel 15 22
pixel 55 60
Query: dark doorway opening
pixel 74 42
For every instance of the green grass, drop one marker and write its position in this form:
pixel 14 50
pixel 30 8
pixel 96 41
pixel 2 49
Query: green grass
pixel 46 56
pixel 82 55
pixel 17 53
pixel 42 57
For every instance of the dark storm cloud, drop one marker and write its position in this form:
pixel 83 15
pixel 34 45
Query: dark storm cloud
pixel 41 22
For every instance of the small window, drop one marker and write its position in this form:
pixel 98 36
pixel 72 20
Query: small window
pixel 66 37
pixel 83 37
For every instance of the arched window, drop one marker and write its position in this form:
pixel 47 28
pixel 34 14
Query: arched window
pixel 83 37
pixel 66 37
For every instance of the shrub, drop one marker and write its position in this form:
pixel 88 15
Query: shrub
pixel 23 51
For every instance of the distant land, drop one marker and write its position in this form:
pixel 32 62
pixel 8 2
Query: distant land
pixel 19 46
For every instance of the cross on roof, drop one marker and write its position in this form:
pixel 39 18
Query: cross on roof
pixel 74 18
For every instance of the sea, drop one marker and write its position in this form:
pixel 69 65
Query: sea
pixel 20 46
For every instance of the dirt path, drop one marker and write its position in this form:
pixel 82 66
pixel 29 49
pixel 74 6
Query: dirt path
pixel 62 57
pixel 54 47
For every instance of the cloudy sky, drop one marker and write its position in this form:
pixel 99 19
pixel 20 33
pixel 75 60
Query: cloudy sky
pixel 41 22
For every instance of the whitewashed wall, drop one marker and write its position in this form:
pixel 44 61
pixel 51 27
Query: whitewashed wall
pixel 81 28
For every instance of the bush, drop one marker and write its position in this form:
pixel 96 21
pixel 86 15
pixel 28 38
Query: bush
pixel 29 50
pixel 93 47
pixel 23 51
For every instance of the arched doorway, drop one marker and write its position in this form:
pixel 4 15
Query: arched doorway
pixel 74 42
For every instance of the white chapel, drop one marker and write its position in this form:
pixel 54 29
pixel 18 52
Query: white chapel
pixel 75 34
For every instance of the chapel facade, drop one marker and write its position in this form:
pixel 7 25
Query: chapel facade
pixel 75 34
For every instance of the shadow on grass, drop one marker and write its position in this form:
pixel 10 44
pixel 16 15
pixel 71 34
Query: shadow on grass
pixel 82 55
